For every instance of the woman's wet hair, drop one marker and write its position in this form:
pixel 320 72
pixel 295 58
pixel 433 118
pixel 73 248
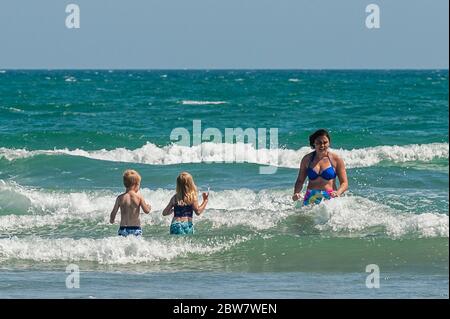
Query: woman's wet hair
pixel 316 134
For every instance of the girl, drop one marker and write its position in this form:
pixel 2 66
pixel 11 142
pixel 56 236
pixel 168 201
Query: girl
pixel 183 204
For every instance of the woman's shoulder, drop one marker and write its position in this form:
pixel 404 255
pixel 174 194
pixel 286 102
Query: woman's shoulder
pixel 308 156
pixel 306 159
pixel 334 157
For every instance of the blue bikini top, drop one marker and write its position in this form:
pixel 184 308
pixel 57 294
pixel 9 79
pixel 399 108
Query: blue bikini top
pixel 183 211
pixel 327 174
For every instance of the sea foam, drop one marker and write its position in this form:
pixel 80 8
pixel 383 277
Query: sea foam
pixel 193 102
pixel 256 210
pixel 110 250
pixel 361 216
pixel 224 152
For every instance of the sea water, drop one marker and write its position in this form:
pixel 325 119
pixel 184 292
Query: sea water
pixel 67 136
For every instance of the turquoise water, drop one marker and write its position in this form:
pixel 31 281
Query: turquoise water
pixel 67 136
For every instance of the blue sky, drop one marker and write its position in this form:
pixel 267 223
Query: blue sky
pixel 223 34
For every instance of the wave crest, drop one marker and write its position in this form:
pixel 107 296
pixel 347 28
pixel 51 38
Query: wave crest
pixel 348 215
pixel 358 215
pixel 112 250
pixel 239 153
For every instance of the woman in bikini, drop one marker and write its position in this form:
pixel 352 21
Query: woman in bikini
pixel 321 167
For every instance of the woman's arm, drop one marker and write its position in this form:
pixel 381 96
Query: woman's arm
pixel 198 209
pixel 169 208
pixel 300 179
pixel 342 175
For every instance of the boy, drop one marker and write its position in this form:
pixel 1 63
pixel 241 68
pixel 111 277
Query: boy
pixel 130 203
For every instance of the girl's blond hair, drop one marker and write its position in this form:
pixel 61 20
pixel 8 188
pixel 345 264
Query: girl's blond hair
pixel 186 189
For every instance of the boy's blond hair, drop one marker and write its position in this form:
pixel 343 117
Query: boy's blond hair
pixel 131 178
pixel 186 189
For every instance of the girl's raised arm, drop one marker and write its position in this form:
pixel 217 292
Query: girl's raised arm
pixel 198 209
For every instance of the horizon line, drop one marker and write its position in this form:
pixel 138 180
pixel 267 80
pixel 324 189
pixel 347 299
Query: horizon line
pixel 224 69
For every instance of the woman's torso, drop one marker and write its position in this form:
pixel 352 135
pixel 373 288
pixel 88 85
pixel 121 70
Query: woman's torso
pixel 321 173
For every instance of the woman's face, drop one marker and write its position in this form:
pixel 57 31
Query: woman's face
pixel 321 144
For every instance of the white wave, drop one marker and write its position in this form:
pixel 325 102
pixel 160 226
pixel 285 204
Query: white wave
pixel 354 214
pixel 38 208
pixel 258 210
pixel 2 71
pixel 244 207
pixel 294 80
pixel 70 79
pixel 112 250
pixel 44 202
pixel 193 102
pixel 371 156
pixel 229 208
pixel 66 113
pixel 15 110
pixel 14 223
pixel 240 152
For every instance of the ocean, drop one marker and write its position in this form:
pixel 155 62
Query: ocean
pixel 67 136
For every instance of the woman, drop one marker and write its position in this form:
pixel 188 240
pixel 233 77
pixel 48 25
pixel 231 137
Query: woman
pixel 183 204
pixel 321 167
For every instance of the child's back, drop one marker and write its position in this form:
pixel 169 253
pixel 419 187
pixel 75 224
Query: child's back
pixel 130 204
pixel 183 204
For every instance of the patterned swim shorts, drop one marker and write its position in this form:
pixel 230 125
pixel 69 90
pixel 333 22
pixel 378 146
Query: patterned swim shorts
pixel 315 196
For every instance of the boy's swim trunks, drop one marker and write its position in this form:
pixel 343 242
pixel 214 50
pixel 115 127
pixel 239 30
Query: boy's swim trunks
pixel 129 230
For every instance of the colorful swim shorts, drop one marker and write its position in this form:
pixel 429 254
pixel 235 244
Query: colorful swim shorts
pixel 181 228
pixel 129 230
pixel 315 196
